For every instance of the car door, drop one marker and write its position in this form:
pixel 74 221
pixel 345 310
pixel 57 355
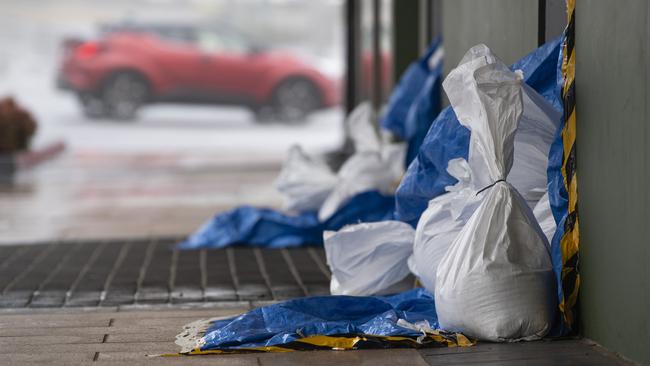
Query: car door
pixel 179 60
pixel 232 71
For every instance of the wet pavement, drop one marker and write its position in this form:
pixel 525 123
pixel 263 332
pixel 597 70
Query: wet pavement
pixel 135 335
pixel 93 195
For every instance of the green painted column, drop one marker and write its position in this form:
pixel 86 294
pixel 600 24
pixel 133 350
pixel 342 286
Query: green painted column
pixel 613 152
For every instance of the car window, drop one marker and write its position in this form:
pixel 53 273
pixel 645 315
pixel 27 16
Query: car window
pixel 214 41
pixel 175 34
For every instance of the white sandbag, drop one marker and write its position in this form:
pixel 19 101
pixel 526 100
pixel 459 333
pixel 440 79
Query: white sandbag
pixel 533 139
pixel 304 182
pixel 368 258
pixel 496 280
pixel 445 215
pixel 375 165
pixel 441 222
pixel 544 216
pixel 362 131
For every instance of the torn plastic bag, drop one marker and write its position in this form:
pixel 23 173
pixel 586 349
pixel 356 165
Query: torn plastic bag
pixel 415 101
pixel 368 258
pixel 496 281
pixel 426 176
pixel 544 216
pixel 304 182
pixel 327 322
pixel 262 227
pixel 375 165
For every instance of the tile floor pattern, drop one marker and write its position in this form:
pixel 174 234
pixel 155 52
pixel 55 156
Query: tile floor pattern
pixel 128 335
pixel 116 302
pixel 136 272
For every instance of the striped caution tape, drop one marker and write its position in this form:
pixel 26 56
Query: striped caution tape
pixel 347 342
pixel 570 242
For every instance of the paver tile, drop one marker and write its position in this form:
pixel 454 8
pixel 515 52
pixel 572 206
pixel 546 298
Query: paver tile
pixel 169 331
pixel 49 339
pixel 37 357
pixel 57 349
pixel 133 358
pixel 360 357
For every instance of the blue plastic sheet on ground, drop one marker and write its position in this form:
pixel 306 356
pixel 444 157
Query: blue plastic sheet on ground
pixel 426 176
pixel 285 322
pixel 415 101
pixel 262 227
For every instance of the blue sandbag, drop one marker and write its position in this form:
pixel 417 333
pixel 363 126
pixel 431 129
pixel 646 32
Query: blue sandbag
pixel 267 228
pixel 427 177
pixel 289 321
pixel 415 102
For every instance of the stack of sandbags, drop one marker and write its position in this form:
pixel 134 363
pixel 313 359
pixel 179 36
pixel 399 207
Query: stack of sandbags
pixel 308 184
pixel 376 165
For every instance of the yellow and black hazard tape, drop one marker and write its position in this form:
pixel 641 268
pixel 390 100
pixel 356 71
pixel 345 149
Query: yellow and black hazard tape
pixel 570 242
pixel 347 342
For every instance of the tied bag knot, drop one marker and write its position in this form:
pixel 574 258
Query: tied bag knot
pixel 490 186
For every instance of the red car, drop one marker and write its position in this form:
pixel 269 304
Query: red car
pixel 134 65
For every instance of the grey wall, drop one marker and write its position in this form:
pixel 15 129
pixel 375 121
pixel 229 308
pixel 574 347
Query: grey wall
pixel 508 27
pixel 613 141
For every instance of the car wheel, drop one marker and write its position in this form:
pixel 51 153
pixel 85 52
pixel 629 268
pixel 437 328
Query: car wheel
pixel 294 99
pixel 123 94
pixel 93 107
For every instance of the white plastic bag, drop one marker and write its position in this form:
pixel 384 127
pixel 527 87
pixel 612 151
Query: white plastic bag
pixel 375 165
pixel 440 223
pixel 496 280
pixel 304 182
pixel 368 258
pixel 545 218
pixel 533 139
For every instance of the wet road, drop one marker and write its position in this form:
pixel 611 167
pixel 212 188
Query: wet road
pixel 162 175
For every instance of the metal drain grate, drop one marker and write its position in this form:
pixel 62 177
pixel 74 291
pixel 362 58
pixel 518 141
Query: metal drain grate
pixel 110 273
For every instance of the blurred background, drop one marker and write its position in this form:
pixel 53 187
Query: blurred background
pixel 171 110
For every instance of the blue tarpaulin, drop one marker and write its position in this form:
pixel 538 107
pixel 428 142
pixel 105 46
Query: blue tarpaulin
pixel 412 106
pixel 326 322
pixel 415 101
pixel 559 201
pixel 263 227
pixel 427 177
pixel 337 321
